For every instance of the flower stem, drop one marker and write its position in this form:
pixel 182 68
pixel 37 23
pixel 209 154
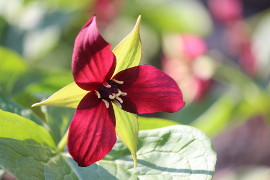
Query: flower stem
pixel 63 142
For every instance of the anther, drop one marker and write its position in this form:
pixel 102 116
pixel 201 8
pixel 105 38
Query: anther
pixel 107 85
pixel 117 103
pixel 97 93
pixel 123 94
pixel 119 92
pixel 118 82
pixel 112 96
pixel 119 99
pixel 107 104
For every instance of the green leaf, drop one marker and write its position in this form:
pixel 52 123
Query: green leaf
pixel 12 67
pixel 29 160
pixel 129 51
pixel 58 120
pixel 18 127
pixel 10 106
pixel 68 96
pixel 127 130
pixel 102 170
pixel 154 123
pixel 175 152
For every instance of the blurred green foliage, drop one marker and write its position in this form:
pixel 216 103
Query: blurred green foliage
pixel 37 36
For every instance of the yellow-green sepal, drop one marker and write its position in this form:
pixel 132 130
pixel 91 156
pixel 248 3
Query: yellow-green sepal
pixel 69 96
pixel 129 51
pixel 127 128
pixel 128 54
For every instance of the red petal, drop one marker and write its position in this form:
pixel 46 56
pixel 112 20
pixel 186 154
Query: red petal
pixel 92 131
pixel 93 61
pixel 149 90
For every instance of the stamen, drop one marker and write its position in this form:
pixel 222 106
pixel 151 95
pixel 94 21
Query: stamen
pixel 117 103
pixel 123 94
pixel 97 93
pixel 119 92
pixel 118 82
pixel 107 104
pixel 112 96
pixel 107 85
pixel 119 99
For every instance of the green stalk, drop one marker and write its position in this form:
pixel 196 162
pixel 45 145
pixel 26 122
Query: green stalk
pixel 63 142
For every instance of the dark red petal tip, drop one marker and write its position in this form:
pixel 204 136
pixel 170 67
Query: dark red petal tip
pixel 149 90
pixel 92 131
pixel 92 61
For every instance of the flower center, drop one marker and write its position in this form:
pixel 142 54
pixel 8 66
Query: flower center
pixel 110 92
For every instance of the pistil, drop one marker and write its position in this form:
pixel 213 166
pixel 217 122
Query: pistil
pixel 110 92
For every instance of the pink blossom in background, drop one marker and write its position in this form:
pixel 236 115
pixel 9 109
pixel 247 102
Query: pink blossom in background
pixel 239 42
pixel 193 46
pixel 106 10
pixel 185 62
pixel 226 11
pixel 229 13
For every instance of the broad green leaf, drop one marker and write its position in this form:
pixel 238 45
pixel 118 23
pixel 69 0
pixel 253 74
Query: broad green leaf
pixel 129 51
pixel 175 152
pixel 17 127
pixel 146 123
pixel 10 106
pixel 12 66
pixel 103 170
pixel 68 96
pixel 127 130
pixel 29 160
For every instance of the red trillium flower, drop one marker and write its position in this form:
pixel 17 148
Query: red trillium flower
pixel 140 89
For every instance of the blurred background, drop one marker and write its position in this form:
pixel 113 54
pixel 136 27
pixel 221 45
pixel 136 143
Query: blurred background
pixel 218 51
